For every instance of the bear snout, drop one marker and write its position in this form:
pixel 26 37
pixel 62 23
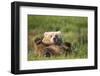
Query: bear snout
pixel 57 40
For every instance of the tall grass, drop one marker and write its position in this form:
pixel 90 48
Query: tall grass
pixel 74 29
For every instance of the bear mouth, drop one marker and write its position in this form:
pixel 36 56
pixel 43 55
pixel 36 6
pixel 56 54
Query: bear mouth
pixel 57 40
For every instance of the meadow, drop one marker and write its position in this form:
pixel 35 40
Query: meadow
pixel 74 29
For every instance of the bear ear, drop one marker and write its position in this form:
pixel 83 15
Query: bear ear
pixel 58 32
pixel 45 33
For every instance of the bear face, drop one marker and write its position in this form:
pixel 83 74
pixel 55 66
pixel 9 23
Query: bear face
pixel 52 38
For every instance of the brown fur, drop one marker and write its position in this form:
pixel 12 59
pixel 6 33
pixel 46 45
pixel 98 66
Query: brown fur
pixel 39 47
pixel 42 49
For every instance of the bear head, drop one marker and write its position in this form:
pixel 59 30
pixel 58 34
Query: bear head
pixel 52 38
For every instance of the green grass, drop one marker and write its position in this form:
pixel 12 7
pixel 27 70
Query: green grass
pixel 73 28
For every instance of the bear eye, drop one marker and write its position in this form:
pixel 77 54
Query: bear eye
pixel 51 36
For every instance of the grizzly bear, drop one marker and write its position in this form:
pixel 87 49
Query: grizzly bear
pixel 51 45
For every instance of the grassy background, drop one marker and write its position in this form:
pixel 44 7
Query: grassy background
pixel 74 30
